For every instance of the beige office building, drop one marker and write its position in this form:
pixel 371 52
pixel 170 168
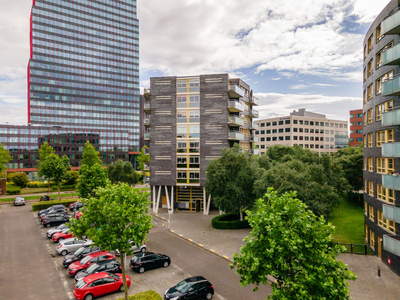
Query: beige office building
pixel 310 130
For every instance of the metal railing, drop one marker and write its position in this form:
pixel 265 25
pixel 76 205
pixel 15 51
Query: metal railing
pixel 363 249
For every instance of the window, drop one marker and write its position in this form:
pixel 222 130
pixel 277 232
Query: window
pixel 369 68
pixel 181 131
pixel 371 213
pixel 378 86
pixel 268 123
pixel 287 122
pixel 181 162
pixel 194 131
pixel 281 138
pixel 181 101
pixel 316 123
pixel 181 147
pixel 386 195
pixel 274 130
pixel 370 164
pixel 378 59
pixel 193 83
pixel 295 137
pixel 359 131
pixel 274 138
pixel 294 129
pixel 280 123
pixel 262 139
pixel 268 139
pixel 274 123
pixel 379 34
pixel 280 130
pixel 387 224
pixel 257 132
pixel 387 76
pixel 194 161
pixel 312 123
pixel 365 74
pixel 384 165
pixel 321 131
pixel 365 51
pixel 370 188
pixel 365 119
pixel 262 146
pixel 262 124
pixel 381 108
pixel 370 140
pixel 306 130
pixel 311 130
pixel 306 138
pixel 365 207
pixel 365 162
pixel 194 114
pixel 262 131
pixel 322 123
pixel 181 84
pixel 370 43
pixel 194 177
pixel 301 122
pixel 370 116
pixel 301 129
pixel 365 96
pixel 371 239
pixel 384 136
pixel 294 121
pixel 269 131
pixel 194 99
pixel 305 122
pixel 287 138
pixel 194 147
pixel 181 177
pixel 181 115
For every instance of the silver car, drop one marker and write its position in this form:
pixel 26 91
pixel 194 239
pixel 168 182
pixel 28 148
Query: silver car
pixel 19 201
pixel 59 228
pixel 71 245
pixel 134 248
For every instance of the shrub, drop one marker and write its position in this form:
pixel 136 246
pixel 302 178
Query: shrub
pixel 20 179
pixel 148 295
pixel 13 190
pixel 37 184
pixel 46 204
pixel 229 221
pixel 71 177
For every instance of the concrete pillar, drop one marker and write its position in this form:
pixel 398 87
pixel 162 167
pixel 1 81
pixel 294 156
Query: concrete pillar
pixel 172 199
pixel 158 199
pixel 154 198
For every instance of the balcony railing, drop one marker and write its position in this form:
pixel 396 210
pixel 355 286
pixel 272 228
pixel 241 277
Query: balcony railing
pixel 391 118
pixel 235 106
pixel 235 91
pixel 391 213
pixel 146 106
pixel 147 94
pixel 146 166
pixel 147 136
pixel 391 87
pixel 236 135
pixel 146 122
pixel 391 25
pixel 235 121
pixel 391 244
pixel 254 139
pixel 391 150
pixel 391 182
pixel 254 113
pixel 392 55
pixel 254 126
pixel 254 101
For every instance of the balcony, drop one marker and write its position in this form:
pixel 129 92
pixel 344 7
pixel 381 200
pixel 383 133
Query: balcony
pixel 391 87
pixel 235 121
pixel 146 122
pixel 146 107
pixel 391 244
pixel 235 106
pixel 147 136
pixel 236 136
pixel 254 101
pixel 254 126
pixel 391 213
pixel 146 151
pixel 254 139
pixel 147 94
pixel 392 24
pixel 255 152
pixel 146 166
pixel 391 56
pixel 391 182
pixel 254 113
pixel 235 92
pixel 391 150
pixel 391 118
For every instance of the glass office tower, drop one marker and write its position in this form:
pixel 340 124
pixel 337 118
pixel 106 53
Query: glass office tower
pixel 83 72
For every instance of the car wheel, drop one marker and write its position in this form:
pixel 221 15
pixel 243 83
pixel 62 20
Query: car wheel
pixel 121 288
pixel 60 239
pixel 64 252
pixel 209 296
pixel 47 225
pixel 88 297
pixel 141 270
pixel 143 250
pixel 166 264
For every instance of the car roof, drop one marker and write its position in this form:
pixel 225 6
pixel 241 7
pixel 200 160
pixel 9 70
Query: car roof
pixel 68 240
pixel 93 255
pixel 143 254
pixel 18 198
pixel 195 279
pixel 93 277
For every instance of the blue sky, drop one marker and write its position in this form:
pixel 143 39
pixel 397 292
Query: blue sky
pixel 294 54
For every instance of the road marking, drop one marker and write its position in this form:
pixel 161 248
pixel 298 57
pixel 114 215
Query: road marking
pixel 201 245
pixel 163 218
pixel 219 296
pixel 213 251
pixel 225 256
pixel 172 231
pixel 181 235
pixel 190 240
pixel 162 225
pixel 156 215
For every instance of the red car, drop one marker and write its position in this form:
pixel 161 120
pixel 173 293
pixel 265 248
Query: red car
pixel 64 234
pixel 87 261
pixel 99 284
pixel 78 214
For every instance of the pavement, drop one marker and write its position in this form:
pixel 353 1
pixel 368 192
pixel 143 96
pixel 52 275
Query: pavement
pixel 197 228
pixel 37 194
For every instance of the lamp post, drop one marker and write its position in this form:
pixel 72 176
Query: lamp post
pixel 169 218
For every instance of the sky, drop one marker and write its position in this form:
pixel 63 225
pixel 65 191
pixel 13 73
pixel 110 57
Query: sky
pixel 294 54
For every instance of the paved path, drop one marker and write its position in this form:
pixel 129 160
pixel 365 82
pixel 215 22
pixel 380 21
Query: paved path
pixel 27 269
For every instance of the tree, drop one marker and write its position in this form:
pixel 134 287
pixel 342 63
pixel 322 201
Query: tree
pixel 65 161
pixel 5 158
pixel 44 151
pixel 91 177
pixel 20 179
pixel 90 156
pixel 117 217
pixel 71 177
pixel 290 243
pixel 351 161
pixel 230 180
pixel 122 172
pixel 143 159
pixel 53 168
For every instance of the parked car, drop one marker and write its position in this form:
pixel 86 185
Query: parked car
pixel 53 221
pixel 77 206
pixel 70 245
pixel 135 248
pixel 79 254
pixel 52 208
pixel 78 214
pixel 72 206
pixel 53 214
pixel 59 228
pixel 87 261
pixel 45 198
pixel 19 201
pixel 65 234
pixel 111 266
pixel 149 260
pixel 99 284
pixel 191 288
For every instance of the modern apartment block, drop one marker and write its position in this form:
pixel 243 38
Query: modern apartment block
pixel 381 132
pixel 356 127
pixel 83 80
pixel 190 120
pixel 307 129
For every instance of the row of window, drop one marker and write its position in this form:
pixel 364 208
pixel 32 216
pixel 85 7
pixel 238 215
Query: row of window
pixel 182 177
pixel 357 139
pixel 303 122
pixel 357 116
pixel 379 110
pixel 370 44
pixel 382 222
pixel 383 136
pixel 306 146
pixel 357 123
pixel 369 92
pixel 295 138
pixel 193 83
pixel 383 165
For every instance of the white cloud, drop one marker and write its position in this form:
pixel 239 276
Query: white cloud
pixel 299 87
pixel 276 78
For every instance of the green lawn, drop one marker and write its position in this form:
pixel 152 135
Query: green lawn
pixel 37 197
pixel 349 223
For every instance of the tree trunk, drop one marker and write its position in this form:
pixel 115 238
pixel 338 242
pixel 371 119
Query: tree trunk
pixel 59 193
pixel 123 274
pixel 49 187
pixel 241 214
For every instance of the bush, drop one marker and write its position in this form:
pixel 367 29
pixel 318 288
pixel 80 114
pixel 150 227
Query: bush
pixel 20 179
pixel 148 295
pixel 13 190
pixel 46 204
pixel 229 221
pixel 71 177
pixel 37 184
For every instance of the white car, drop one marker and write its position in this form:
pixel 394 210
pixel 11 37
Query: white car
pixel 19 201
pixel 71 245
pixel 134 248
pixel 59 228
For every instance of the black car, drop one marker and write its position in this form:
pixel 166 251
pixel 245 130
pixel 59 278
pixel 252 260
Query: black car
pixel 53 214
pixel 77 206
pixel 78 255
pixel 191 288
pixel 45 198
pixel 53 221
pixel 57 207
pixel 149 260
pixel 111 266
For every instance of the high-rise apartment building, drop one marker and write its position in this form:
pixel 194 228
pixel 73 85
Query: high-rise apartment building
pixel 307 129
pixel 381 132
pixel 83 79
pixel 190 120
pixel 356 127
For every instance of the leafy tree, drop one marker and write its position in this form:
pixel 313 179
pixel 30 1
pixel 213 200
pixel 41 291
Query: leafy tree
pixel 90 156
pixel 65 161
pixel 143 159
pixel 130 174
pixel 71 177
pixel 5 158
pixel 122 172
pixel 44 151
pixel 53 168
pixel 230 180
pixel 20 179
pixel 351 161
pixel 290 243
pixel 118 215
pixel 91 177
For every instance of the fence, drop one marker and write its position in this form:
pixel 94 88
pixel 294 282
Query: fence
pixel 356 248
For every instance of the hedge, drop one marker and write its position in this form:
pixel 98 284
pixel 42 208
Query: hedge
pixel 13 190
pixel 148 295
pixel 46 204
pixel 229 221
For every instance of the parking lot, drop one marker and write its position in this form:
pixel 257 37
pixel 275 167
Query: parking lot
pixel 35 270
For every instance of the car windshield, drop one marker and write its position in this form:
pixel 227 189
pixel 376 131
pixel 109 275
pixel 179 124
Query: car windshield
pixel 80 284
pixel 85 260
pixel 182 286
pixel 113 275
pixel 65 230
pixel 60 226
pixel 92 268
pixel 79 251
pixel 135 259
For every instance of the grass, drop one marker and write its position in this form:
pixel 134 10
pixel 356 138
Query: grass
pixel 349 223
pixel 34 190
pixel 37 197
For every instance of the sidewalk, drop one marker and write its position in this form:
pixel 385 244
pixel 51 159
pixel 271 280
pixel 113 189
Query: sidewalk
pixel 197 227
pixel 37 194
